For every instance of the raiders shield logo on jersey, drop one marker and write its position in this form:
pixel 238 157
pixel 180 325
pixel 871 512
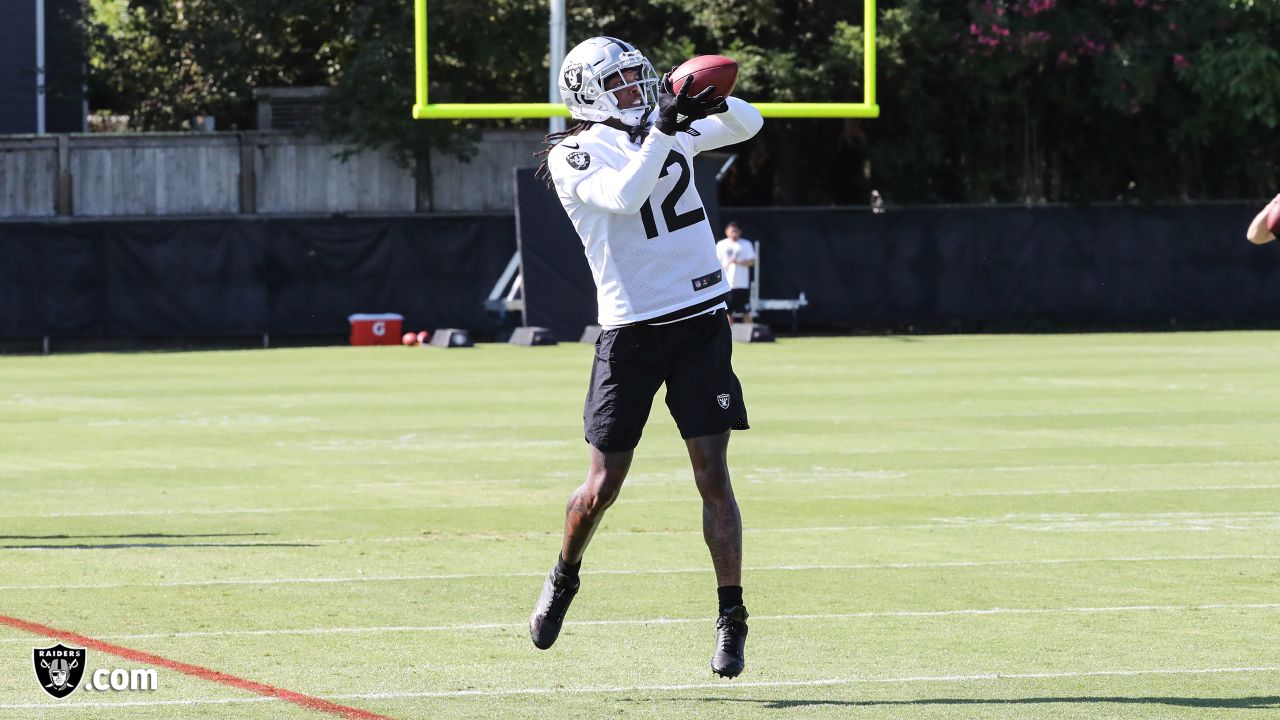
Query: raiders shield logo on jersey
pixel 723 399
pixel 579 160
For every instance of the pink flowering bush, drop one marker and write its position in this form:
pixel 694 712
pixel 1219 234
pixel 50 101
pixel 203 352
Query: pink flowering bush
pixel 1041 100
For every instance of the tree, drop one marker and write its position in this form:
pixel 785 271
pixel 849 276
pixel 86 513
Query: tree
pixel 982 100
pixel 163 62
pixel 1034 100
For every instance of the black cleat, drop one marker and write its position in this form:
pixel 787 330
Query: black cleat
pixel 731 643
pixel 548 615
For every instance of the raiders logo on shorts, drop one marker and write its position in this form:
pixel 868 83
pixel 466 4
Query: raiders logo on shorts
pixel 579 160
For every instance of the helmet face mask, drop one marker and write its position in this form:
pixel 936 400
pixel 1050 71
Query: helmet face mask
pixel 620 82
pixel 594 62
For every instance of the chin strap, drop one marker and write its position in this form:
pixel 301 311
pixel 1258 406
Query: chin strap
pixel 637 134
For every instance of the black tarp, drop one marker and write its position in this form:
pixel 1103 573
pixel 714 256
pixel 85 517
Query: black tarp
pixel 979 268
pixel 1019 268
pixel 200 278
pixel 925 268
pixel 559 293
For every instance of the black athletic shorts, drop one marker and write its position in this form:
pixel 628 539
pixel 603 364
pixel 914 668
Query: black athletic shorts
pixel 738 299
pixel 693 357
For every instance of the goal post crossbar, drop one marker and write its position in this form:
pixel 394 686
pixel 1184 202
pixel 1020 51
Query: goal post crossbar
pixel 423 109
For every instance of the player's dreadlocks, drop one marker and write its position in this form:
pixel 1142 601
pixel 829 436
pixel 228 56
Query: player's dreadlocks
pixel 550 141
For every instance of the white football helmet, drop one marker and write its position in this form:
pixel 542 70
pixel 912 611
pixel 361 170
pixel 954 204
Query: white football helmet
pixel 583 75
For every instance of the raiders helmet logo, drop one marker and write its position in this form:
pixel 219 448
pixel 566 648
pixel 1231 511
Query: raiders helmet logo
pixel 723 399
pixel 59 669
pixel 578 160
pixel 573 78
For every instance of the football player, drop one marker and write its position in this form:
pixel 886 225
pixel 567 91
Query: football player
pixel 624 173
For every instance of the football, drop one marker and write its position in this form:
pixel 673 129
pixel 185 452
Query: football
pixel 705 70
pixel 1273 217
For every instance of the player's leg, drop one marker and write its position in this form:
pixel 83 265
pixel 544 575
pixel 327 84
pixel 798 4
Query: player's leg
pixel 624 379
pixel 583 514
pixel 721 520
pixel 588 503
pixel 722 530
pixel 705 398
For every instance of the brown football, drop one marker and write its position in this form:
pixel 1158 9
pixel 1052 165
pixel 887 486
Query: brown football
pixel 705 70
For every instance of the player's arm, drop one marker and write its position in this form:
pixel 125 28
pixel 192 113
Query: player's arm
pixel 747 257
pixel 1258 233
pixel 739 123
pixel 625 191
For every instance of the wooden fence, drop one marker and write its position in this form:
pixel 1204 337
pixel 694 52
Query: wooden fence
pixel 185 174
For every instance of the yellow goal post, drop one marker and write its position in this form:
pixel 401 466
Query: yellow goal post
pixel 423 109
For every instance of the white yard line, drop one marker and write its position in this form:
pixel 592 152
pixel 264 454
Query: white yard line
pixel 1056 522
pixel 634 501
pixel 68 469
pixel 732 685
pixel 683 477
pixel 722 686
pixel 136 703
pixel 1050 491
pixel 655 571
pixel 519 626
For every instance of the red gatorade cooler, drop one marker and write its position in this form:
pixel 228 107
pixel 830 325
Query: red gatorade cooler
pixel 375 328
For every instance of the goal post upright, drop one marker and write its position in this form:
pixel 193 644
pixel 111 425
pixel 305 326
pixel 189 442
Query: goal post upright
pixel 423 109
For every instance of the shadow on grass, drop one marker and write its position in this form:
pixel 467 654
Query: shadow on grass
pixel 122 546
pixel 1241 703
pixel 133 536
pixel 192 537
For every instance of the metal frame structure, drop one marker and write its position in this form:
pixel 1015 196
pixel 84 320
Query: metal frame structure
pixel 423 109
pixel 757 305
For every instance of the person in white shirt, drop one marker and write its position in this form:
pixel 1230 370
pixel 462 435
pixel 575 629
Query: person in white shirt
pixel 627 185
pixel 737 257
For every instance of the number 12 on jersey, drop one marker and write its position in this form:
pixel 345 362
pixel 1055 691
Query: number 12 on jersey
pixel 673 220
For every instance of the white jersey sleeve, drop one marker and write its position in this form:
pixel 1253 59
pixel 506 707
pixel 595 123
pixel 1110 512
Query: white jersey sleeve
pixel 622 190
pixel 738 124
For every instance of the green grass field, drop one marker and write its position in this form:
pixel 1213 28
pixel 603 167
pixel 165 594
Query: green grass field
pixel 937 527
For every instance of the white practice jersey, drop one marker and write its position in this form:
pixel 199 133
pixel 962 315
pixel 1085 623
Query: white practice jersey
pixel 641 221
